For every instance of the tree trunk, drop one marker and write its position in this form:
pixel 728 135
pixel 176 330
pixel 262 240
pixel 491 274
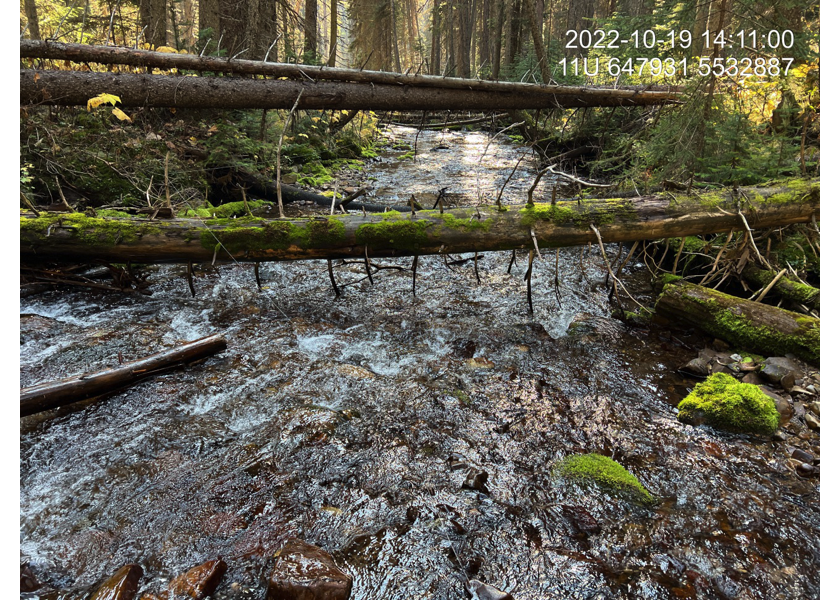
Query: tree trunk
pixel 145 58
pixel 79 238
pixel 45 396
pixel 746 325
pixel 32 19
pixel 514 28
pixel 499 25
pixel 153 18
pixel 68 88
pixel 536 34
pixel 434 56
pixel 333 32
pixel 395 38
pixel 579 18
pixel 208 19
pixel 310 37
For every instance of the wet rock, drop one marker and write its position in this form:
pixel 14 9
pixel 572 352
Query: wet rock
pixel 697 367
pixel 306 572
pixel 805 457
pixel 122 585
pixel 783 405
pixel 812 421
pixel 779 436
pixel 28 581
pixel 805 470
pixel 457 461
pixel 483 591
pixel 782 371
pixel 199 582
pixel 581 520
pixel 290 178
pixel 355 372
pixel 476 480
pixel 753 378
pixel 815 408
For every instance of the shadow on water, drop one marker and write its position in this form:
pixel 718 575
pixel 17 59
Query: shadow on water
pixel 360 425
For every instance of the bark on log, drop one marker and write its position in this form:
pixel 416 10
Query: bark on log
pixel 743 323
pixel 45 396
pixel 785 287
pixel 75 88
pixel 161 60
pixel 76 237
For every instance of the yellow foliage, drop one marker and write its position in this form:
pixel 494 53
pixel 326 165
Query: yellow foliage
pixel 101 99
pixel 166 49
pixel 120 115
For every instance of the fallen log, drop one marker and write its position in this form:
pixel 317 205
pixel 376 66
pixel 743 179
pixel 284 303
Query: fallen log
pixel 45 396
pixel 75 88
pixel 162 60
pixel 744 324
pixel 785 287
pixel 76 237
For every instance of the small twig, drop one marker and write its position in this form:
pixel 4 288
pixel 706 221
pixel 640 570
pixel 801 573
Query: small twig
pixel 61 193
pixel 536 246
pixel 752 241
pixel 257 275
pixel 279 151
pixel 414 275
pixel 29 204
pixel 475 265
pixel 367 265
pixel 332 278
pixel 512 260
pixel 677 258
pixel 190 278
pixel 528 280
pixel 166 180
pixel 717 258
pixel 616 280
pixel 770 285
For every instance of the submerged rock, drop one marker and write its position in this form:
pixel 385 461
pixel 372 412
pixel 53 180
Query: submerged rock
pixel 306 572
pixel 122 585
pixel 483 591
pixel 476 480
pixel 604 472
pixel 723 402
pixel 198 582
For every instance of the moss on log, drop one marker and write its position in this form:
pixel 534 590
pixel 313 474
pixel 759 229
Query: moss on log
pixel 785 287
pixel 745 324
pixel 74 237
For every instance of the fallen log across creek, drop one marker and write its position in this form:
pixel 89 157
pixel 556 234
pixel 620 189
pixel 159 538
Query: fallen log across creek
pixel 62 237
pixel 744 324
pixel 45 396
pixel 75 88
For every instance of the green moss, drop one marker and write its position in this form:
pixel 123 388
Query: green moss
pixel 109 212
pixel 202 213
pixel 402 234
pixel 667 278
pixel 241 235
pixel 237 209
pixel 724 402
pixel 604 472
pixel 739 330
pixel 470 224
pixel 92 230
pixel 598 212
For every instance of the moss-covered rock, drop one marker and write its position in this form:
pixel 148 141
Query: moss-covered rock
pixel 724 402
pixel 605 473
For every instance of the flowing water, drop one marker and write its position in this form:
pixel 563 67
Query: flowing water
pixel 355 423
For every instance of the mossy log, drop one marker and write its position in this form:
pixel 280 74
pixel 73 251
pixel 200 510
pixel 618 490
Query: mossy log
pixel 75 88
pixel 745 324
pixel 76 237
pixel 45 396
pixel 785 287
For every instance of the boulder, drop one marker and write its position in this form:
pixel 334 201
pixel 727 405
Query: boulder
pixel 306 572
pixel 122 585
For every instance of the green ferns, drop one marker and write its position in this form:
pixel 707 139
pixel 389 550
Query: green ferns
pixel 604 472
pixel 724 402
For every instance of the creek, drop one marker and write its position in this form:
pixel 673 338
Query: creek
pixel 353 423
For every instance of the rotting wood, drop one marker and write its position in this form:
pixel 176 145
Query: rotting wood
pixel 161 60
pixel 75 88
pixel 76 237
pixel 44 396
pixel 745 324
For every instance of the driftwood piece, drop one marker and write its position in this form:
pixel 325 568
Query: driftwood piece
pixel 75 88
pixel 75 237
pixel 45 396
pixel 744 324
